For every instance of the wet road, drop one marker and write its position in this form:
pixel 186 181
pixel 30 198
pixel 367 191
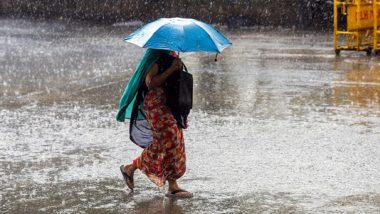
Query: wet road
pixel 280 125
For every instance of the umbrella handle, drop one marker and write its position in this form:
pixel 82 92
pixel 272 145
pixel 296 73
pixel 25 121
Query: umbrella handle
pixel 216 57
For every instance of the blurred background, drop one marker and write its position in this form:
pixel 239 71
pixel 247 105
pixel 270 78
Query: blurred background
pixel 305 14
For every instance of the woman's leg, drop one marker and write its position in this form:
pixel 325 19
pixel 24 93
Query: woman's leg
pixel 173 185
pixel 131 168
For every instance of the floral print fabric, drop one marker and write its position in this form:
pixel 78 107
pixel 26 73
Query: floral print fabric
pixel 165 158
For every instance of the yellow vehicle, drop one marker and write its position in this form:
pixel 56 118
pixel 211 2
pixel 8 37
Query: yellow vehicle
pixel 358 33
pixel 376 32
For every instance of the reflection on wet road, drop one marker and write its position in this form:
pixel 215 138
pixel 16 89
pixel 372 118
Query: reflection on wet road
pixel 279 124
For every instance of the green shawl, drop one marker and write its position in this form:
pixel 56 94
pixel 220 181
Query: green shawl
pixel 128 98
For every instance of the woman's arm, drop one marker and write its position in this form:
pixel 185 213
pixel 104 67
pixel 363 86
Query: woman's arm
pixel 153 80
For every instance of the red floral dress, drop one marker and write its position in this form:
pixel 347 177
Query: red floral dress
pixel 165 158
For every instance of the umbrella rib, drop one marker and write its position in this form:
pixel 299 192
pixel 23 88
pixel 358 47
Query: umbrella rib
pixel 216 46
pixel 209 29
pixel 152 36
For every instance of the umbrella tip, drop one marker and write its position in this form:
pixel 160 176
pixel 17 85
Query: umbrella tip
pixel 216 57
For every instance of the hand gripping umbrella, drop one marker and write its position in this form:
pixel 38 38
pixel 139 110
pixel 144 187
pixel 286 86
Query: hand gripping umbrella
pixel 179 34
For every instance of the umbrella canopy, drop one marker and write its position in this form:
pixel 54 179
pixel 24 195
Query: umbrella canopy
pixel 179 34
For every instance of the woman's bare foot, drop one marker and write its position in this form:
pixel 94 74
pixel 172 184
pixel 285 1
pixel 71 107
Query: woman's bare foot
pixel 174 191
pixel 128 172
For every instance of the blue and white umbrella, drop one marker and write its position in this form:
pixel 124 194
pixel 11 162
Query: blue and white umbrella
pixel 179 34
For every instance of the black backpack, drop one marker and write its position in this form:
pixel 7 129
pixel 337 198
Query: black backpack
pixel 178 89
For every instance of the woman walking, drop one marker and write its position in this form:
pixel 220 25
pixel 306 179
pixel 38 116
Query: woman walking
pixel 164 158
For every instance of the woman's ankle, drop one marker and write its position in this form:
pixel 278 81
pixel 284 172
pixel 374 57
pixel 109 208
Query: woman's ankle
pixel 173 185
pixel 131 168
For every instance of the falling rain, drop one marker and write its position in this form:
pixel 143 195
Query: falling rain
pixel 280 123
